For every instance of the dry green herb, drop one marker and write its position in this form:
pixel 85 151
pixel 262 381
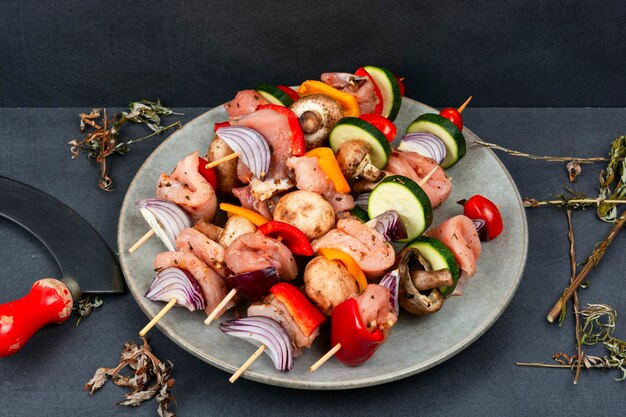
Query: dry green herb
pixel 104 140
pixel 146 367
pixel 85 306
pixel 613 176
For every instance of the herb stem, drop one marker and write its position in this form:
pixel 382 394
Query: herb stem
pixel 572 254
pixel 571 201
pixel 593 260
pixel 538 157
pixel 542 365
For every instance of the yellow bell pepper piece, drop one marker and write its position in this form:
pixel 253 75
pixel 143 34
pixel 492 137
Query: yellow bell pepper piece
pixel 349 262
pixel 347 101
pixel 253 216
pixel 328 163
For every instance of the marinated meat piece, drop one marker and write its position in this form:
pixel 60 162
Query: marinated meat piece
pixel 459 235
pixel 187 188
pixel 368 247
pixel 248 201
pixel 255 251
pixel 360 87
pixel 376 309
pixel 208 251
pixel 245 102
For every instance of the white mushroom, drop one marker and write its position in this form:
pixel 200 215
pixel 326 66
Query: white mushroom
pixel 318 114
pixel 306 210
pixel 354 160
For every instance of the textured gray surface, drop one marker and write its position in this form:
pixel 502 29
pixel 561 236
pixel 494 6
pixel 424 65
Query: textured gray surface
pixel 197 52
pixel 46 378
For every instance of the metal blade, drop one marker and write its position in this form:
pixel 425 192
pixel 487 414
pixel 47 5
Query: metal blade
pixel 76 246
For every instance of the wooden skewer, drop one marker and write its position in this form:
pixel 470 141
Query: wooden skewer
pixel 321 361
pixel 247 364
pixel 141 241
pixel 220 306
pixel 427 177
pixel 224 159
pixel 158 317
pixel 464 105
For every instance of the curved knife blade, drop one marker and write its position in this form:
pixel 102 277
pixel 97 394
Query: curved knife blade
pixel 78 249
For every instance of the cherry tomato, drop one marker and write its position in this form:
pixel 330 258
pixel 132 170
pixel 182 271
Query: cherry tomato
pixel 401 85
pixel 381 123
pixel 207 173
pixel 479 207
pixel 453 115
pixel 292 94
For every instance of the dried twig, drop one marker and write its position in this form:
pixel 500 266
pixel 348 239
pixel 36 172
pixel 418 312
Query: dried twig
pixel 572 255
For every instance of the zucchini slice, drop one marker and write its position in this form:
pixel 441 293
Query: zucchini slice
pixel 389 88
pixel 350 128
pixel 360 214
pixel 445 130
pixel 439 257
pixel 274 95
pixel 405 196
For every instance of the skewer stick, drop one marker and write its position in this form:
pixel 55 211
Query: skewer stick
pixel 321 361
pixel 464 105
pixel 224 159
pixel 427 177
pixel 247 364
pixel 158 317
pixel 220 306
pixel 141 241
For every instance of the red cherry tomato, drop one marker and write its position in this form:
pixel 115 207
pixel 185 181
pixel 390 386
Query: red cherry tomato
pixel 207 173
pixel 453 115
pixel 381 123
pixel 401 85
pixel 479 207
pixel 292 94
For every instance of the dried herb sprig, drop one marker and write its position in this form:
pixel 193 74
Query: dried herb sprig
pixel 590 263
pixel 146 366
pixel 599 327
pixel 613 176
pixel 85 306
pixel 512 152
pixel 104 140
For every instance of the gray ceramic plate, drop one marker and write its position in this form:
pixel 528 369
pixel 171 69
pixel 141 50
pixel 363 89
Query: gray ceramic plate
pixel 417 343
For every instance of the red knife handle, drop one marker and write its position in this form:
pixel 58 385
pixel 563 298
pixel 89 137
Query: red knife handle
pixel 49 301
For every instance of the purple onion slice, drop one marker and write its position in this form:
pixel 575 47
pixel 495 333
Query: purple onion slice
pixel 250 145
pixel 165 218
pixel 425 144
pixel 361 200
pixel 263 331
pixel 390 225
pixel 176 283
pixel 481 229
pixel 254 285
pixel 391 281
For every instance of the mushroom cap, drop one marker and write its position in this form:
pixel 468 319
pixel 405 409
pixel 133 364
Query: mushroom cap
pixel 322 114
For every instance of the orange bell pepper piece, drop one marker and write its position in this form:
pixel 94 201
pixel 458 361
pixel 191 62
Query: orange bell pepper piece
pixel 253 216
pixel 349 262
pixel 328 163
pixel 348 102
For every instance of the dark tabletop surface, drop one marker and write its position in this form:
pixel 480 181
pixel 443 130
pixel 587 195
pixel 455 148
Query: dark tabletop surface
pixel 47 376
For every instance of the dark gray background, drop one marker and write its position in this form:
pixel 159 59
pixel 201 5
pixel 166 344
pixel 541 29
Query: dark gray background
pixel 196 53
pixel 89 53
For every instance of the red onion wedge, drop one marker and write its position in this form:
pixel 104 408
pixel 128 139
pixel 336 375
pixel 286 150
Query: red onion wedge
pixel 165 218
pixel 391 281
pixel 390 225
pixel 253 285
pixel 425 144
pixel 263 331
pixel 250 145
pixel 175 283
pixel 361 200
pixel 481 229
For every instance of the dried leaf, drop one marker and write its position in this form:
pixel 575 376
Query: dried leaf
pixel 98 380
pixel 573 170
pixel 84 307
pixel 613 176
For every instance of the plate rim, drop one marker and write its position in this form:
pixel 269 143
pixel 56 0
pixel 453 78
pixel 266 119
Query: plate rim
pixel 342 385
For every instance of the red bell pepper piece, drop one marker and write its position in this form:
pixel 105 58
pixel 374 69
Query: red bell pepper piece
pixel 220 124
pixel 291 93
pixel 298 144
pixel 305 314
pixel 357 343
pixel 379 107
pixel 291 236
pixel 401 85
pixel 207 173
